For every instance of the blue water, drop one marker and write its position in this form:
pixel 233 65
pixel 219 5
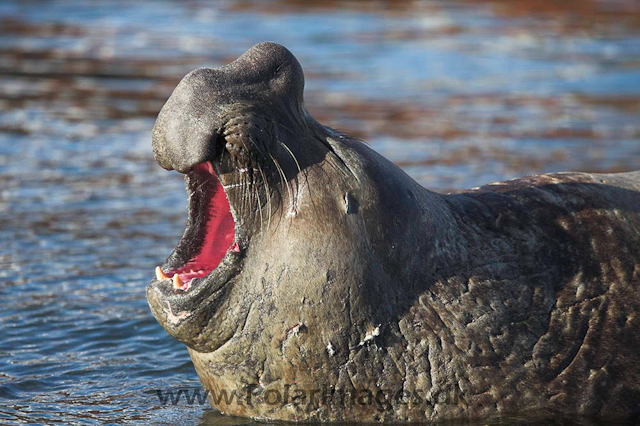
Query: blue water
pixel 459 94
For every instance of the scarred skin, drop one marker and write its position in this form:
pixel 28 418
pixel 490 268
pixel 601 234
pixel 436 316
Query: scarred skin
pixel 519 296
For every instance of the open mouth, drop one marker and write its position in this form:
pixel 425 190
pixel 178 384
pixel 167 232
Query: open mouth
pixel 210 234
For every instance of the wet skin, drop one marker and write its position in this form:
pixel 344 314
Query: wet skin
pixel 318 265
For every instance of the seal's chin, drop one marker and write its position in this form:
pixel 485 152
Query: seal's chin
pixel 209 236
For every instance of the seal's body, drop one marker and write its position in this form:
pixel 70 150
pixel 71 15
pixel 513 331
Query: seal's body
pixel 340 289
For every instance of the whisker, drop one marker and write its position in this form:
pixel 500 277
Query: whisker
pixel 265 180
pixel 243 198
pixel 260 210
pixel 201 184
pixel 292 199
pixel 284 176
pixel 280 125
pixel 294 203
pixel 267 194
pixel 292 155
pixel 233 185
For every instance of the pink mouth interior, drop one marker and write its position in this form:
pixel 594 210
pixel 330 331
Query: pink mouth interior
pixel 220 233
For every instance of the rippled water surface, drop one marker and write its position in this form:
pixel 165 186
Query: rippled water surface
pixel 457 93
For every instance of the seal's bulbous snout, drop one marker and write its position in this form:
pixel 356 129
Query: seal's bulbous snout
pixel 265 80
pixel 186 124
pixel 309 262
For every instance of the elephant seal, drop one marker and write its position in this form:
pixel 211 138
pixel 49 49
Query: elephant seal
pixel 317 281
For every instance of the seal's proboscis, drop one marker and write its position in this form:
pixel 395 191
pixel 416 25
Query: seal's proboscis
pixel 315 280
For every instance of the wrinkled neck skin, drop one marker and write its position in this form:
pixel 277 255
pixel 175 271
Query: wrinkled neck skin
pixel 357 295
pixel 331 282
pixel 374 299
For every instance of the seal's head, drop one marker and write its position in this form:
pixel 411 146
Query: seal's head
pixel 267 196
pixel 309 261
pixel 224 129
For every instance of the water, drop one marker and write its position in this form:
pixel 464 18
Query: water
pixel 457 93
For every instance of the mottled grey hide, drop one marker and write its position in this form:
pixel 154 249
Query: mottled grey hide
pixel 360 295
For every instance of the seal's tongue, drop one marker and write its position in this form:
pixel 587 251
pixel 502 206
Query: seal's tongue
pixel 219 235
